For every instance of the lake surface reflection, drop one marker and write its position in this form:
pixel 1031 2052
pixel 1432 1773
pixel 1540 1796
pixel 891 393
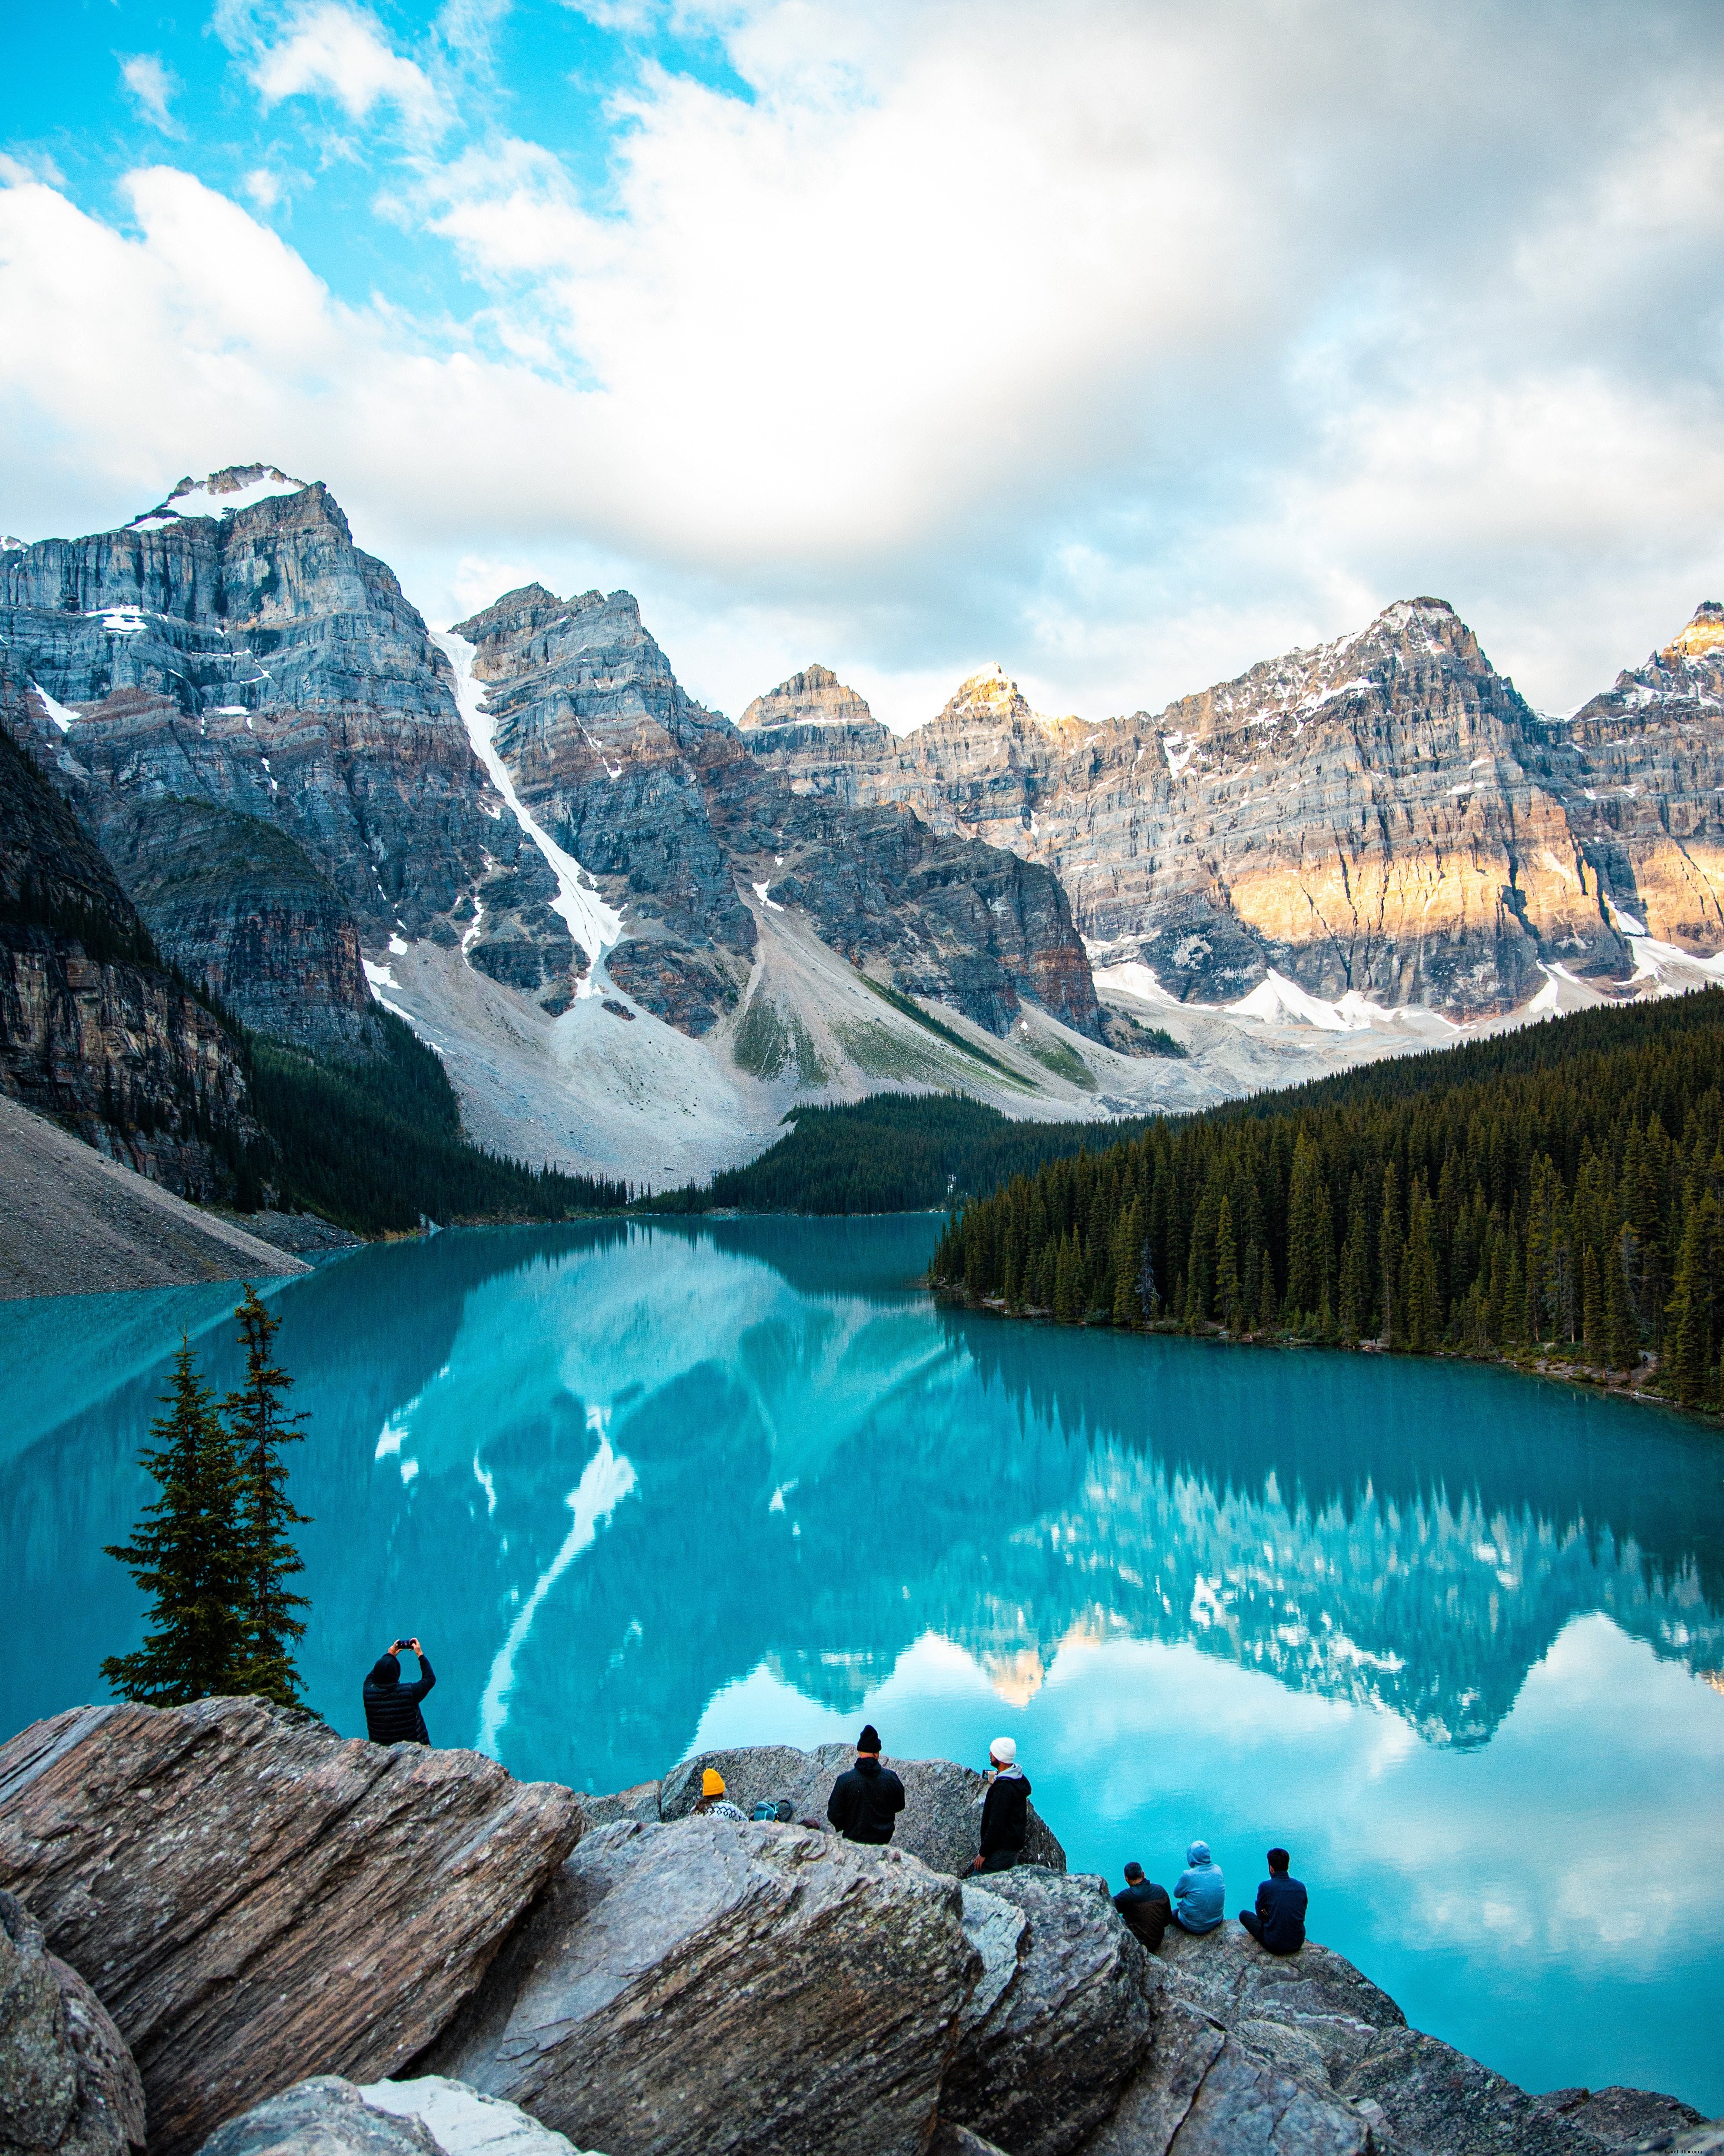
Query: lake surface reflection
pixel 1454 1636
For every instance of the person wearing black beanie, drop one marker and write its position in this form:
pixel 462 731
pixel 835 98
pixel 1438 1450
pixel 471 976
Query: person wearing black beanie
pixel 865 1803
pixel 392 1713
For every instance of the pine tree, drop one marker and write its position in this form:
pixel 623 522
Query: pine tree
pixel 1355 1268
pixel 1389 1247
pixel 1592 1307
pixel 1227 1306
pixel 186 1554
pixel 258 1427
pixel 1622 1337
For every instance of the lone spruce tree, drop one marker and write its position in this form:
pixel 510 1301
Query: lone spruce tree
pixel 258 1427
pixel 186 1554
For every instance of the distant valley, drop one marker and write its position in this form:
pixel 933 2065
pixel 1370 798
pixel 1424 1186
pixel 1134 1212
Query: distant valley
pixel 636 932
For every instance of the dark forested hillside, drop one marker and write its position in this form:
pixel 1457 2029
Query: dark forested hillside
pixel 377 1145
pixel 1561 1187
pixel 893 1152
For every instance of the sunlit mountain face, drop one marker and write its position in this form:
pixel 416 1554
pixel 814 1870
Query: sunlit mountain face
pixel 1452 1634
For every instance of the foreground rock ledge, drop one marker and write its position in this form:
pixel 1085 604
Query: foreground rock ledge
pixel 254 1899
pixel 705 1985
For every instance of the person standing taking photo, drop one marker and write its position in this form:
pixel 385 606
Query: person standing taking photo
pixel 393 1714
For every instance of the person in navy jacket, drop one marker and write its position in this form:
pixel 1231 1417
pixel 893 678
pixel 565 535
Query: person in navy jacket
pixel 1278 1921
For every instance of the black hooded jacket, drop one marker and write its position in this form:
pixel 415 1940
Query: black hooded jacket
pixel 1005 1816
pixel 391 1708
pixel 866 1802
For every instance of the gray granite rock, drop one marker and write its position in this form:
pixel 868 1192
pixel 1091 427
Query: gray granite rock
pixel 68 2084
pixel 462 2122
pixel 726 1986
pixel 951 2140
pixel 1304 2053
pixel 324 2116
pixel 1043 2067
pixel 251 1896
pixel 1623 2117
pixel 941 1822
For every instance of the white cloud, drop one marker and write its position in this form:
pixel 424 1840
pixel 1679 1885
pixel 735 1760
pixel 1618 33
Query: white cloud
pixel 1127 355
pixel 152 87
pixel 326 47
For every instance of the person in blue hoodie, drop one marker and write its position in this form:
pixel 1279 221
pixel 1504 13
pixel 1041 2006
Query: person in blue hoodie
pixel 1200 1894
pixel 1278 1921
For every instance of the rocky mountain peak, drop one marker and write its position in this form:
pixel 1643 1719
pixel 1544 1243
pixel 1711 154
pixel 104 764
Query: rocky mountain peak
pixel 235 486
pixel 992 698
pixel 815 697
pixel 1702 638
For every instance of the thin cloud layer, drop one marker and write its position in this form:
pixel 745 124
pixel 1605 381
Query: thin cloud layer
pixel 1126 345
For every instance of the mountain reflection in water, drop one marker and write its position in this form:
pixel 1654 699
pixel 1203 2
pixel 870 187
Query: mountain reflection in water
pixel 640 1488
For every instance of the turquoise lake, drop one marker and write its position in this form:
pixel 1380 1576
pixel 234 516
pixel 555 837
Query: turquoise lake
pixel 1455 1636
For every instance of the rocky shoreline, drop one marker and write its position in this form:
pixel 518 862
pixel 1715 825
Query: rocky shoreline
pixel 262 1937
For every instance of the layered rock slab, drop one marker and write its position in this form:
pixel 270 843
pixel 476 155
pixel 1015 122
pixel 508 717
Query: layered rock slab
pixel 1305 2057
pixel 1061 2017
pixel 67 2082
pixel 756 1989
pixel 941 1822
pixel 251 1896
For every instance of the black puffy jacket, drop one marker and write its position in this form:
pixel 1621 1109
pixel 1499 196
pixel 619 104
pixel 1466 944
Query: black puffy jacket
pixel 392 1711
pixel 866 1802
pixel 1005 1816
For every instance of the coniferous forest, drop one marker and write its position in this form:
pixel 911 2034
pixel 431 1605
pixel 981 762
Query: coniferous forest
pixel 1557 1191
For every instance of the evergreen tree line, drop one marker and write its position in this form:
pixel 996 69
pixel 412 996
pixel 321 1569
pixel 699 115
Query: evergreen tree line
pixel 892 1153
pixel 376 1146
pixel 1561 1190
pixel 215 1551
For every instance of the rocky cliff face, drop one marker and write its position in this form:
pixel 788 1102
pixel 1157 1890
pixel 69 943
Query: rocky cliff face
pixel 1639 772
pixel 243 910
pixel 668 805
pixel 93 1031
pixel 235 648
pixel 1368 817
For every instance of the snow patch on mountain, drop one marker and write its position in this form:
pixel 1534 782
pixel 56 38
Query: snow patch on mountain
pixel 239 487
pixel 594 926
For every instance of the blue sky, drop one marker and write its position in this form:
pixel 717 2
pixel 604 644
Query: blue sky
pixel 1126 343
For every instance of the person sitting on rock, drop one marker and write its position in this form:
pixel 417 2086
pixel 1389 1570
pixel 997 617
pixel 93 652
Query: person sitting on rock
pixel 393 1714
pixel 1145 1907
pixel 1005 1813
pixel 712 1803
pixel 1200 1892
pixel 866 1801
pixel 1278 1921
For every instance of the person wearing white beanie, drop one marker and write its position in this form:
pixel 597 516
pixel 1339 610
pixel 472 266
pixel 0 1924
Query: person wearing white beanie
pixel 1005 1814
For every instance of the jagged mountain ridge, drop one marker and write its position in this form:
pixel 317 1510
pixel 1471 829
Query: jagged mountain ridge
pixel 666 805
pixel 256 661
pixel 271 747
pixel 1382 815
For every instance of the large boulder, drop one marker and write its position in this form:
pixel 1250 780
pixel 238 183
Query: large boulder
pixel 462 2123
pixel 1062 2013
pixel 253 1897
pixel 67 2082
pixel 941 1822
pixel 324 2116
pixel 704 1985
pixel 1302 2056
